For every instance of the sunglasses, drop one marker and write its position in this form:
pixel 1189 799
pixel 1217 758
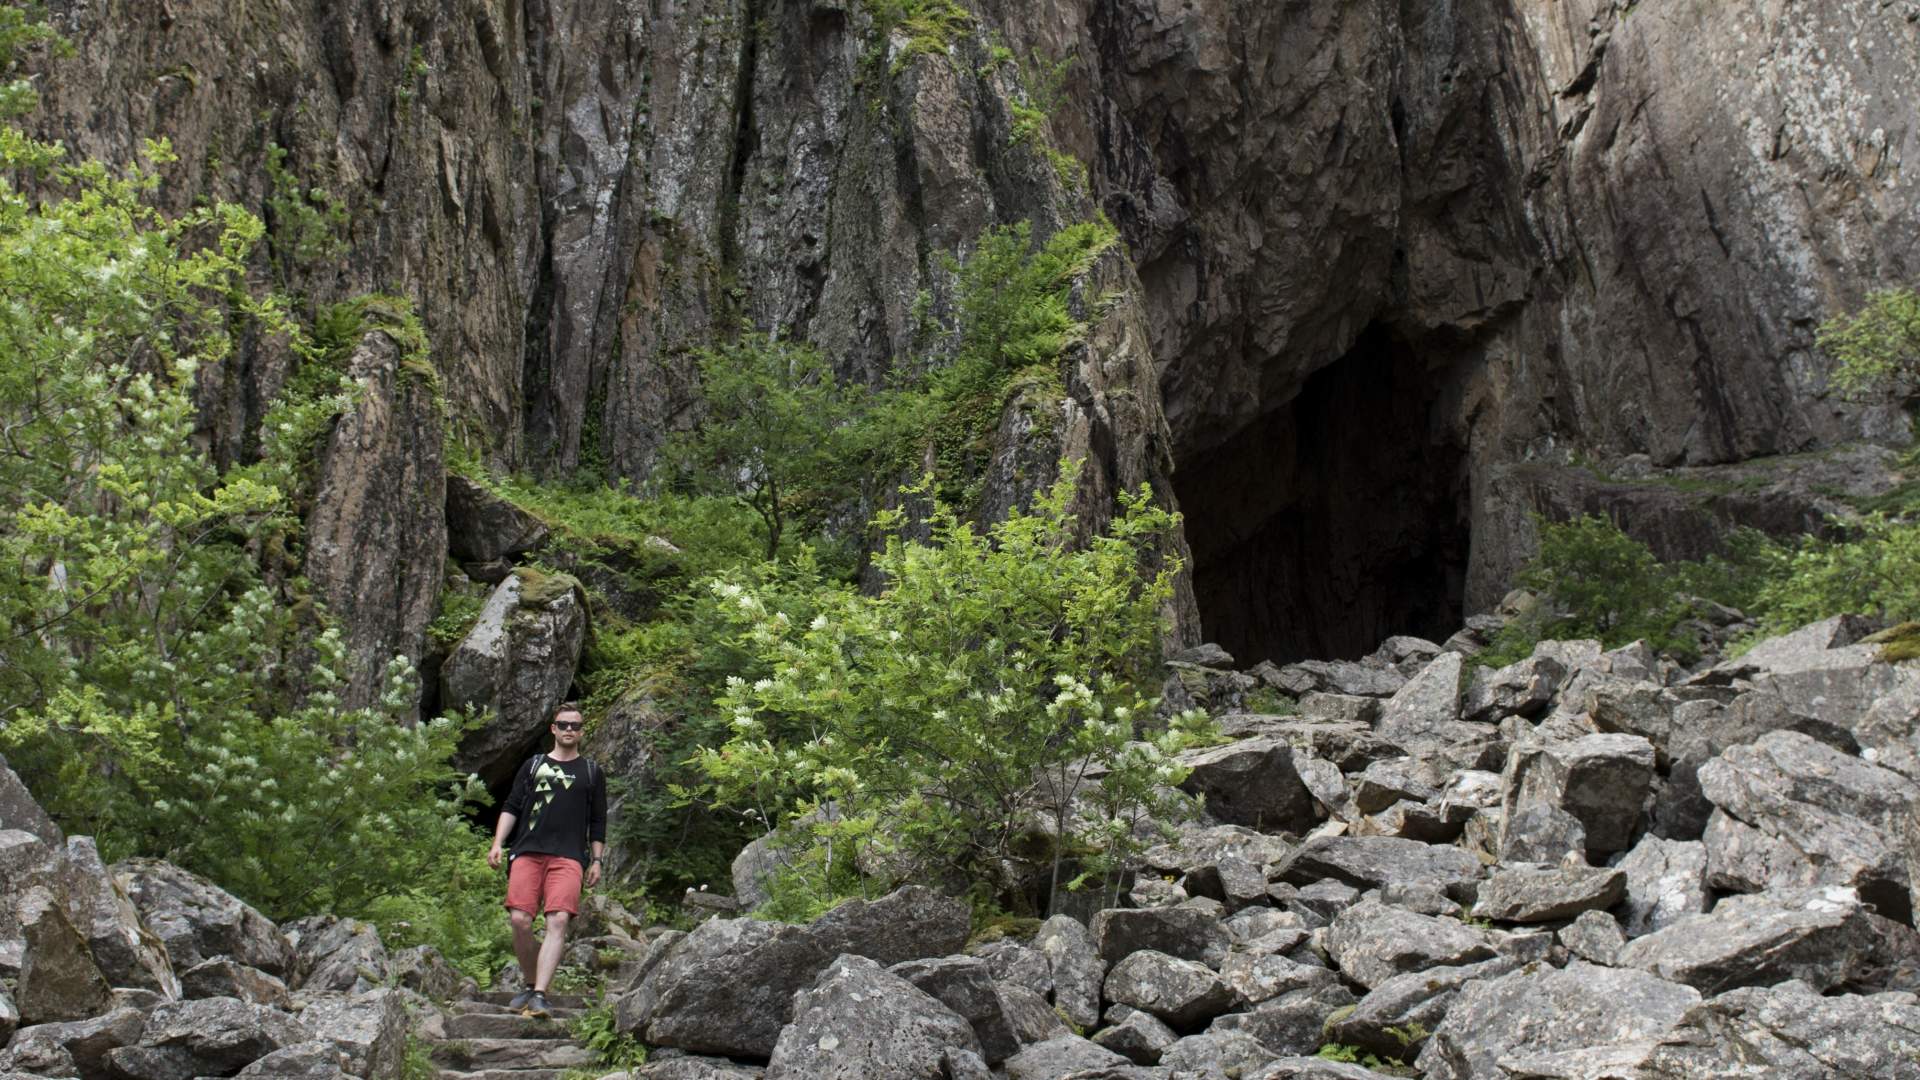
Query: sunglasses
pixel 567 725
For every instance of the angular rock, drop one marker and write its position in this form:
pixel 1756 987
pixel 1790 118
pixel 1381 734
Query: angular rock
pixel 1033 1020
pixel 1182 932
pixel 1216 1053
pixel 1258 977
pixel 1595 937
pixel 211 1037
pixel 859 1021
pixel 693 1067
pixel 1140 1036
pixel 1519 689
pixel 1419 896
pixel 727 986
pixel 1703 731
pixel 9 1016
pixel 315 1059
pixel 1340 708
pixel 19 810
pixel 222 977
pixel 1790 1031
pixel 58 978
pixel 1424 715
pixel 1368 862
pixel 753 866
pixel 1416 1001
pixel 127 953
pixel 1540 834
pixel 1233 881
pixel 1666 880
pixel 341 955
pixel 1543 1009
pixel 1076 968
pixel 1290 1023
pixel 482 526
pixel 424 971
pixel 370 1028
pixel 1197 846
pixel 1060 1056
pixel 1603 781
pixel 78 1046
pixel 1821 935
pixel 1534 894
pixel 198 920
pixel 1015 963
pixel 965 985
pixel 1311 1068
pixel 1373 942
pixel 1252 783
pixel 518 662
pixel 1831 819
pixel 1383 783
pixel 1798 650
pixel 1183 993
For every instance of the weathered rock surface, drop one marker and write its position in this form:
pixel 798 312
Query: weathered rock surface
pixel 20 811
pixel 1795 811
pixel 1182 993
pixel 1532 894
pixel 482 526
pixel 1416 1001
pixel 1184 932
pixel 518 661
pixel 340 955
pixel 860 1021
pixel 1253 783
pixel 1789 1030
pixel 369 1028
pixel 965 985
pixel 58 977
pixel 211 1037
pixel 198 921
pixel 1666 879
pixel 1540 1009
pixel 1062 1055
pixel 79 1046
pixel 1076 969
pixel 1820 935
pixel 1373 942
pixel 1602 781
pixel 1368 862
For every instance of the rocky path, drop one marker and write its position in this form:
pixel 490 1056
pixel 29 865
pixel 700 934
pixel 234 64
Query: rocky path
pixel 486 1041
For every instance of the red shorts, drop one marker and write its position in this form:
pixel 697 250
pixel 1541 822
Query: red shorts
pixel 537 883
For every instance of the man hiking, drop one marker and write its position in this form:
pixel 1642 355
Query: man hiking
pixel 559 802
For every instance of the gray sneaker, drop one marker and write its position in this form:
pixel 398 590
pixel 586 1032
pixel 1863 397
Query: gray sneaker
pixel 536 1006
pixel 519 1000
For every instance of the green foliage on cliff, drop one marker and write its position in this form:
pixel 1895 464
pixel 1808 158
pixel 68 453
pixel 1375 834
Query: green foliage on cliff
pixel 157 689
pixel 990 676
pixel 1877 348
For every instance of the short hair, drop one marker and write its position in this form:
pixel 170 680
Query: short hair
pixel 567 707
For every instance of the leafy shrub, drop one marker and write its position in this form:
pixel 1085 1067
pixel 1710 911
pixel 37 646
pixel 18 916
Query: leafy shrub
pixel 597 1029
pixel 1877 348
pixel 978 688
pixel 1873 568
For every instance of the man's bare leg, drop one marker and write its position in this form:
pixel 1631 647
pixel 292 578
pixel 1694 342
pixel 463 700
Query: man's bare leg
pixel 551 949
pixel 525 948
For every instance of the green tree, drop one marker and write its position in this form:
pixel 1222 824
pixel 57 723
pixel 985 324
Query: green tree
pixel 1608 584
pixel 777 433
pixel 953 720
pixel 156 690
pixel 1877 348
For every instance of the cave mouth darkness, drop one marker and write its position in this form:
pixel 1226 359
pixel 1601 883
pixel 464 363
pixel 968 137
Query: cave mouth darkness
pixel 1336 520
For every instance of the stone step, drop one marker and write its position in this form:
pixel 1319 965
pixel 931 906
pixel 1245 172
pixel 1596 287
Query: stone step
pixel 501 997
pixel 512 1054
pixel 487 1008
pixel 502 1074
pixel 502 1025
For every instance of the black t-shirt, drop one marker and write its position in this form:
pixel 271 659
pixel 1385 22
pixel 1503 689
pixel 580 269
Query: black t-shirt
pixel 559 806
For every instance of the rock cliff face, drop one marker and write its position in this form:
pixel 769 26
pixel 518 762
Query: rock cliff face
pixel 1378 253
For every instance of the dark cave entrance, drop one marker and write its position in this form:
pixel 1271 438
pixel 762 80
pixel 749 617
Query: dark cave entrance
pixel 1335 521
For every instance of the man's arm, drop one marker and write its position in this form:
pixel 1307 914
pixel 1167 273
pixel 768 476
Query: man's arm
pixel 501 831
pixel 597 825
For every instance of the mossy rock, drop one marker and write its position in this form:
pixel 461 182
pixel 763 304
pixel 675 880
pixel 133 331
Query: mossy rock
pixel 1897 643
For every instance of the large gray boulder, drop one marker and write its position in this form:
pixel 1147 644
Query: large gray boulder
pixel 1261 976
pixel 1795 811
pixel 1372 942
pixel 482 526
pixel 859 1021
pixel 19 810
pixel 1414 1002
pixel 1291 1023
pixel 28 864
pixel 77 1047
pixel 1186 932
pixel 222 977
pixel 1182 993
pixel 1061 1056
pixel 517 662
pixel 727 987
pixel 1666 880
pixel 1369 862
pixel 1140 1036
pixel 197 920
pixel 1252 783
pixel 128 953
pixel 1519 689
pixel 315 1059
pixel 210 1037
pixel 1540 1009
pixel 1788 1030
pixel 1536 894
pixel 1216 1053
pixel 965 985
pixel 9 1016
pixel 1076 968
pixel 1423 717
pixel 58 977
pixel 369 1028
pixel 341 955
pixel 1602 781
pixel 1821 935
